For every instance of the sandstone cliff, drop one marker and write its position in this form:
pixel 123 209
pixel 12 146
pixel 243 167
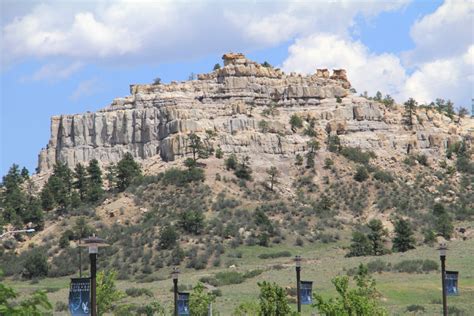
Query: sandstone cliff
pixel 155 119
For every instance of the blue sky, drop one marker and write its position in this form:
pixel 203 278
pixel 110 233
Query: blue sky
pixel 62 57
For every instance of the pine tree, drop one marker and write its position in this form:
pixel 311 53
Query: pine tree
pixel 197 147
pixel 376 235
pixel 410 108
pixel 360 245
pixel 403 239
pixel 243 170
pixel 12 198
pixel 443 222
pixel 58 188
pixel 273 174
pixel 25 174
pixel 80 182
pixel 127 170
pixel 94 181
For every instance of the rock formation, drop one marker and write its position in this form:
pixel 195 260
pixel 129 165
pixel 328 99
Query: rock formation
pixel 156 119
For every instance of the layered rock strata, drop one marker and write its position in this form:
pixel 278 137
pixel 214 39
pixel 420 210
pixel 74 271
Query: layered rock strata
pixel 155 120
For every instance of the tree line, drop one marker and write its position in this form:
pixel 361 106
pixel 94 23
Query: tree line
pixel 64 190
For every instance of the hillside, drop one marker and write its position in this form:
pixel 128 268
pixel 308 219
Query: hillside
pixel 241 162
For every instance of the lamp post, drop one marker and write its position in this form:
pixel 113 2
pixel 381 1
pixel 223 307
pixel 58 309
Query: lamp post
pixel 442 256
pixel 93 243
pixel 298 282
pixel 31 230
pixel 175 274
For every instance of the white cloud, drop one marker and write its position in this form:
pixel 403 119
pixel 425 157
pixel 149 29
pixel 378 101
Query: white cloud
pixel 366 71
pixel 445 33
pixel 86 88
pixel 54 72
pixel 450 78
pixel 169 30
pixel 440 65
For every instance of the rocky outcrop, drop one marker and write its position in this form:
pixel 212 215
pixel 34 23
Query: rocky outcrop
pixel 154 121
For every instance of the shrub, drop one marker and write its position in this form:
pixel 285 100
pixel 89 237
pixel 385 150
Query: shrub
pixel 422 159
pixel 328 163
pixel 383 176
pixel 296 122
pixel 378 266
pixel 178 177
pixel 231 162
pixel 275 255
pixel 229 277
pixel 334 144
pixel 429 265
pixel 36 264
pixel 264 126
pixel 168 237
pixel 357 155
pixel 414 308
pixel 135 292
pixel 191 221
pixel 252 273
pixel 361 174
pixel 299 242
pixel 416 266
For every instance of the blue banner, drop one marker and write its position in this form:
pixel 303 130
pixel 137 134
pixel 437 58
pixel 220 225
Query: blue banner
pixel 79 297
pixel 306 292
pixel 183 304
pixel 451 283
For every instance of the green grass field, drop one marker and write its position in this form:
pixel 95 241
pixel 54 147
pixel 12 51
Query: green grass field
pixel 321 263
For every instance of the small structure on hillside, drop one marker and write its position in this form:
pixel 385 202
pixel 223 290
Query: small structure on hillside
pixel 234 58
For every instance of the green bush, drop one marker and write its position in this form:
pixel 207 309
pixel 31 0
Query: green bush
pixel 378 266
pixel 416 266
pixel 36 264
pixel 168 237
pixel 229 277
pixel 264 126
pixel 357 155
pixel 296 122
pixel 414 308
pixel 231 162
pixel 274 255
pixel 422 159
pixel 135 292
pixel 252 273
pixel 384 176
pixel 361 174
pixel 178 177
pixel 429 265
pixel 334 144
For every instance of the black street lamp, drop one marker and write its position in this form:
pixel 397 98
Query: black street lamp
pixel 93 243
pixel 442 256
pixel 175 274
pixel 298 282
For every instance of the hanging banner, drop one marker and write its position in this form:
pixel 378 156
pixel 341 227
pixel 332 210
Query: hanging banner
pixel 79 297
pixel 451 282
pixel 306 292
pixel 183 304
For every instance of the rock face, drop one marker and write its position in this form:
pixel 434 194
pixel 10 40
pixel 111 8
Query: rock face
pixel 156 119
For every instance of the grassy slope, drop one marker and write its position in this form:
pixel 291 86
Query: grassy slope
pixel 322 262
